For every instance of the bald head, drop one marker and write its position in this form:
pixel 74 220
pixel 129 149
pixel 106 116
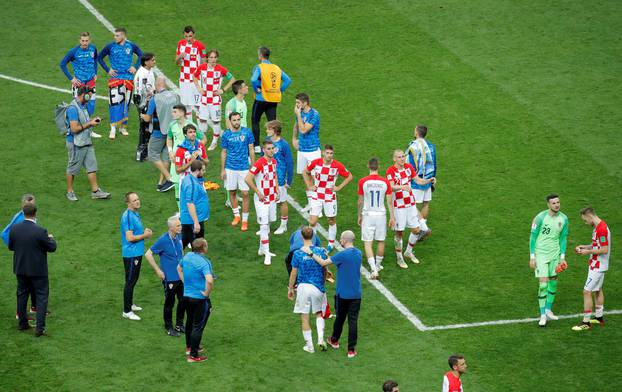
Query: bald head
pixel 347 237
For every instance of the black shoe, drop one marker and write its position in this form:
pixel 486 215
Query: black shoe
pixel 159 187
pixel 172 332
pixel 40 332
pixel 180 329
pixel 23 327
pixel 167 186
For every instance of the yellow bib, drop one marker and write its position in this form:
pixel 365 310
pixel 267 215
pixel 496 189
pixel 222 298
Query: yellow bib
pixel 270 82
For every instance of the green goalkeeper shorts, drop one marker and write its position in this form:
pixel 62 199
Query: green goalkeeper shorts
pixel 545 266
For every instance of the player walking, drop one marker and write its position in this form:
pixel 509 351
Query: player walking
pixel 83 59
pixel 262 179
pixel 121 71
pixel 324 190
pixel 372 214
pixel 208 81
pixel 599 253
pixel 547 248
pixel 400 176
pixel 284 169
pixel 190 54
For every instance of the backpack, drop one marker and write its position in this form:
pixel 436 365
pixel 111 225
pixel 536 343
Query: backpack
pixel 60 116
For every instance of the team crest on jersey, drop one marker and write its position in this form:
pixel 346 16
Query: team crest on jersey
pixel 92 54
pixel 193 51
pixel 559 224
pixel 242 138
pixel 170 286
pixel 135 261
pixel 128 50
pixel 603 239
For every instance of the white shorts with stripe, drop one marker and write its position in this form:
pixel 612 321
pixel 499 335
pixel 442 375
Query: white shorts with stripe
pixel 266 213
pixel 374 227
pixel 594 281
pixel 308 299
pixel 407 217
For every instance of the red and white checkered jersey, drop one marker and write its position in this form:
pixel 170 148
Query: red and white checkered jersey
pixel 183 156
pixel 374 189
pixel 191 59
pixel 402 199
pixel 325 176
pixel 266 180
pixel 210 80
pixel 601 236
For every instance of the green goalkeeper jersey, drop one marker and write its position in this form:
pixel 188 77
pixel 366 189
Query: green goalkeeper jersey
pixel 549 235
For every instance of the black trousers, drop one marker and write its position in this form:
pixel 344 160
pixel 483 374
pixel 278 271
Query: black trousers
pixel 143 136
pixel 347 308
pixel 132 273
pixel 198 311
pixel 259 108
pixel 188 235
pixel 173 290
pixel 40 287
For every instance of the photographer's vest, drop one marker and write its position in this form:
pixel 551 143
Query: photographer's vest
pixel 164 101
pixel 270 82
pixel 83 138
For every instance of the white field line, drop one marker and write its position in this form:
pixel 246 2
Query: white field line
pixel 379 286
pixel 44 86
pixel 102 19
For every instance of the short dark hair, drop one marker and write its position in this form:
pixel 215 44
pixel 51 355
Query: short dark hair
pixel 587 211
pixel 421 130
pixel 329 147
pixel 199 244
pixel 127 196
pixel 30 210
pixel 120 30
pixel 551 197
pixel 236 86
pixel 267 141
pixel 84 89
pixel 28 198
pixel 187 127
pixel 388 385
pixel 188 29
pixel 146 57
pixel 275 125
pixel 196 165
pixel 264 52
pixel 304 97
pixel 180 107
pixel 234 114
pixel 373 163
pixel 453 360
pixel 307 232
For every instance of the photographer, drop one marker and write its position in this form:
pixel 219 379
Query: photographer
pixel 144 87
pixel 79 144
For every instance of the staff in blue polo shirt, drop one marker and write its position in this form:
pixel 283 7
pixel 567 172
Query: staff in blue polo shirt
pixel 195 270
pixel 193 204
pixel 170 250
pixel 348 293
pixel 132 248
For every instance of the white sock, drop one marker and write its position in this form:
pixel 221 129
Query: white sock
pixel 113 128
pixel 314 229
pixel 215 139
pixel 600 310
pixel 332 234
pixel 245 217
pixel 309 196
pixel 372 263
pixel 189 109
pixel 264 238
pixel 236 211
pixel 319 323
pixel 379 261
pixel 412 240
pixel 398 246
pixel 308 337
pixel 283 221
pixel 216 128
pixel 423 224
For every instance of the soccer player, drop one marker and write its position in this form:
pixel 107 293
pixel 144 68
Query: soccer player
pixel 422 156
pixel 237 103
pixel 189 151
pixel 170 250
pixel 83 59
pixel 310 293
pixel 262 179
pixel 547 249
pixel 194 207
pixel 451 380
pixel 208 80
pixel 144 89
pixel 237 149
pixel 190 54
pixel 599 253
pixel 121 52
pixel 400 176
pixel 284 169
pixel 372 214
pixel 306 136
pixel 133 237
pixel 269 82
pixel 324 189
pixel 175 136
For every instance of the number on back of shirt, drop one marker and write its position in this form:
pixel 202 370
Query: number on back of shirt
pixel 374 195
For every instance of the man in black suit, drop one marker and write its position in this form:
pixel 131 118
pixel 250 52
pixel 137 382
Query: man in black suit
pixel 30 244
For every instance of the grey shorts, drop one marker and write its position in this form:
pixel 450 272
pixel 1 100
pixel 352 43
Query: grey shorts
pixel 156 150
pixel 80 157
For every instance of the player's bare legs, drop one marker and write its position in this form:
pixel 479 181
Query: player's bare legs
pixel 425 209
pixel 245 204
pixel 319 325
pixel 412 240
pixel 284 209
pixel 332 232
pixel 398 240
pixel 235 208
pixel 379 255
pixel 306 333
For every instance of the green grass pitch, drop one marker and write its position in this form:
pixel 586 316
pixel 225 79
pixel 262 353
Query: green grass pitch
pixel 521 98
